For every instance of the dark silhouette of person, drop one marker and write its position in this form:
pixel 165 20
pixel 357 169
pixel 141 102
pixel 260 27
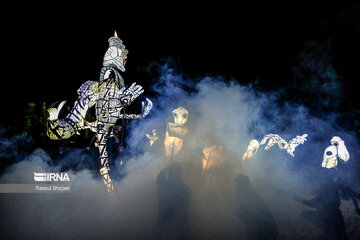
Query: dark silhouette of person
pixel 252 210
pixel 173 198
pixel 348 193
pixel 345 190
pixel 326 214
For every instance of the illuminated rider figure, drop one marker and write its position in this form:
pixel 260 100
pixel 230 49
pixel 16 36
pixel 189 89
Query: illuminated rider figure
pixel 109 96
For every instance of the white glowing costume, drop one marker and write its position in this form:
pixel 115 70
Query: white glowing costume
pixel 289 147
pixel 109 96
pixel 175 132
pixel 273 139
pixel 336 150
pixel 251 149
pixel 293 143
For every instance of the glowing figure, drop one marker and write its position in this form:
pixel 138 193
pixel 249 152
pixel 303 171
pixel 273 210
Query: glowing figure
pixel 109 96
pixel 336 150
pixel 152 138
pixel 343 153
pixel 251 149
pixel 330 157
pixel 273 139
pixel 283 145
pixel 293 143
pixel 213 157
pixel 175 132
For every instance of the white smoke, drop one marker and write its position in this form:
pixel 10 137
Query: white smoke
pixel 220 112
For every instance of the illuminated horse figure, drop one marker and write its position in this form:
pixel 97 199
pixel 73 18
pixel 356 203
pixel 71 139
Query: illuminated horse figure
pixel 109 96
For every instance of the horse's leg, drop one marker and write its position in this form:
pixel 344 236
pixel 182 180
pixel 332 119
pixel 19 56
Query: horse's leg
pixel 104 161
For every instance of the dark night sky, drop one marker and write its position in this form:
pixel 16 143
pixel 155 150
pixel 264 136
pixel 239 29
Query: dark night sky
pixel 50 52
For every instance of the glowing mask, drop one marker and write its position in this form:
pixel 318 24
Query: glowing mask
pixel 180 116
pixel 251 149
pixel 213 157
pixel 330 157
pixel 116 54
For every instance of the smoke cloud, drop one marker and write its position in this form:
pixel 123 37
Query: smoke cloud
pixel 221 204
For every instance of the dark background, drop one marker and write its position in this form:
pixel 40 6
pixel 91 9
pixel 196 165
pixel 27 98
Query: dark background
pixel 305 52
pixel 49 51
